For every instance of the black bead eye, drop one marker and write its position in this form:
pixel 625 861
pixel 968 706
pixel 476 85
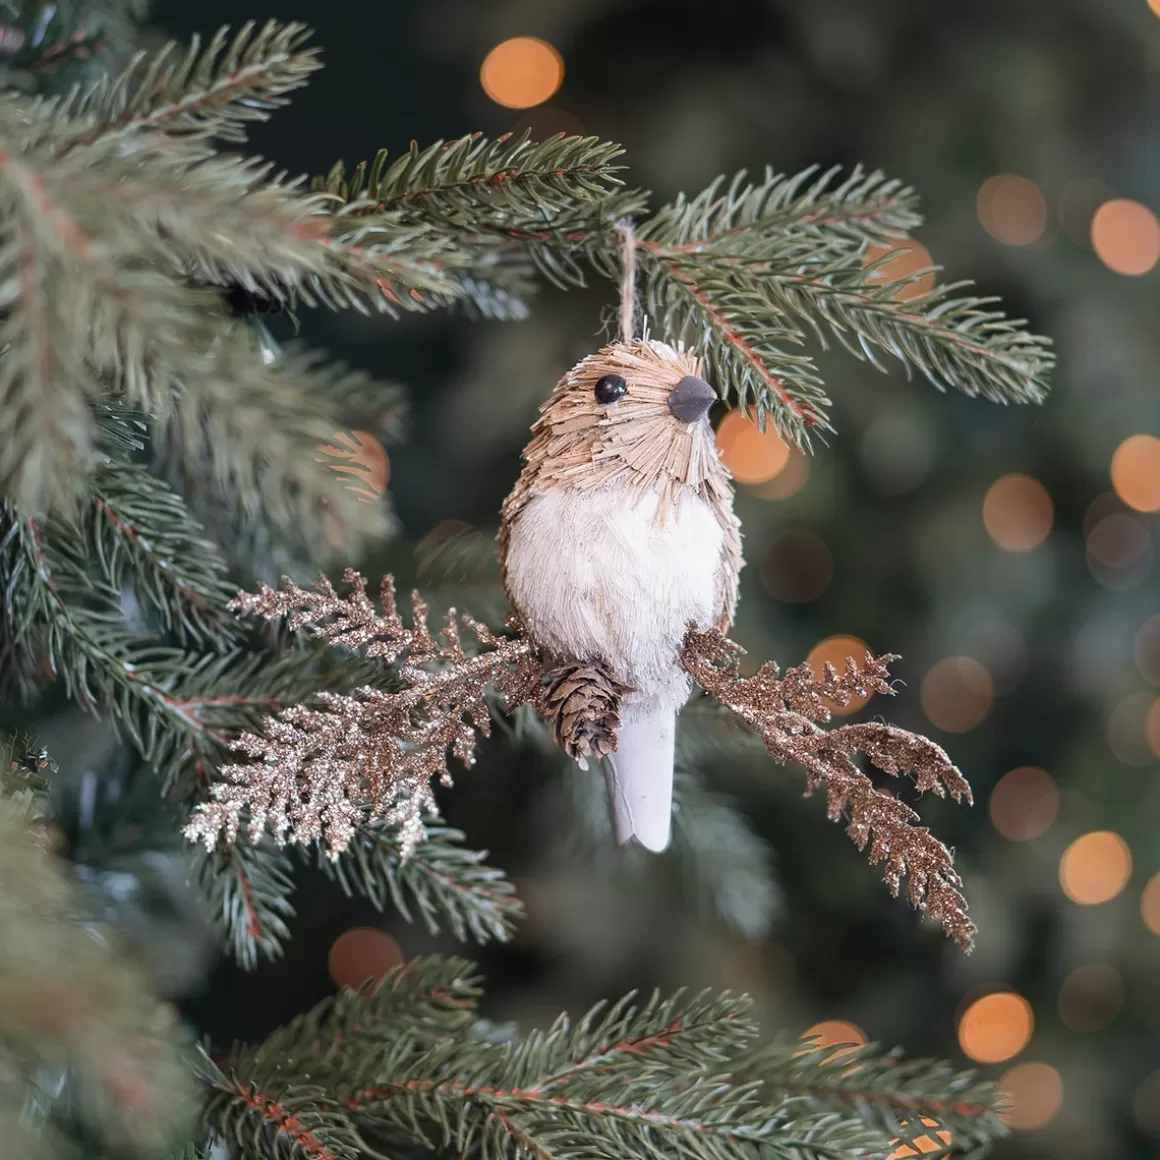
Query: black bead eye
pixel 610 388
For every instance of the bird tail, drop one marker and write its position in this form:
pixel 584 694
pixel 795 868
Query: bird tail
pixel 640 778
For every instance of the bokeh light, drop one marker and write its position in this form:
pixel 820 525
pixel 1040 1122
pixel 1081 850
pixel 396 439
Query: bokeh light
pixel 935 1138
pixel 788 481
pixel 834 650
pixel 1036 1094
pixel 362 462
pixel 908 258
pixel 1146 1100
pixel 1012 209
pixel 1150 904
pixel 798 567
pixel 1024 803
pixel 957 694
pixel 1128 729
pixel 752 456
pixel 1091 997
pixel 1119 551
pixel 1095 868
pixel 1155 6
pixel 1017 512
pixel 1136 472
pixel 362 953
pixel 996 1027
pixel 1152 731
pixel 521 72
pixel 1126 236
pixel 1147 650
pixel 834 1032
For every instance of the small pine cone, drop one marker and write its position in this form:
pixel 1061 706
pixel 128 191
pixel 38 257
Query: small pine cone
pixel 581 702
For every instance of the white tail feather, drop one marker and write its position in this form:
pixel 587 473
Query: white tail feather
pixel 640 779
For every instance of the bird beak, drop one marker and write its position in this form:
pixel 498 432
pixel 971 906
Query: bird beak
pixel 691 399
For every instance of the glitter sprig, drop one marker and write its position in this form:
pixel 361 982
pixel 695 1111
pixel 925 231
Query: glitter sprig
pixel 316 772
pixel 788 711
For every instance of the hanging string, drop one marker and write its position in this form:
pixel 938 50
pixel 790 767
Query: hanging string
pixel 627 280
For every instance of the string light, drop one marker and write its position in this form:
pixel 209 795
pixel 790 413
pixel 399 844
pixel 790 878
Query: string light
pixel 957 694
pixel 834 650
pixel 1095 868
pixel 1012 209
pixel 521 72
pixel 1091 997
pixel 1036 1094
pixel 908 258
pixel 752 456
pixel 1017 512
pixel 996 1027
pixel 362 953
pixel 1126 236
pixel 1150 904
pixel 1024 803
pixel 1136 472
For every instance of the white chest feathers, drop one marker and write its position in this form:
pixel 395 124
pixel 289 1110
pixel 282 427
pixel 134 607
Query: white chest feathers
pixel 595 574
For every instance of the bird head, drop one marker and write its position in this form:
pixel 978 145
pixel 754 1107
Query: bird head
pixel 636 413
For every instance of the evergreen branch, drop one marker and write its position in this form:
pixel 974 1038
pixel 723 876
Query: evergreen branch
pixel 885 1090
pixel 212 92
pixel 786 713
pixel 724 861
pixel 441 880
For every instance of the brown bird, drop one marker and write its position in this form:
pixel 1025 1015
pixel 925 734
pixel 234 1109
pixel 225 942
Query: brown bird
pixel 618 533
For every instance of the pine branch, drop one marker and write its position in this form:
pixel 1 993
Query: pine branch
pixel 215 91
pixel 787 712
pixel 316 772
pixel 885 1090
pixel 440 882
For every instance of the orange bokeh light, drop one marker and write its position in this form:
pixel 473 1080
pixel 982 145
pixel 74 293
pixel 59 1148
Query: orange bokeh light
pixel 1036 1094
pixel 521 72
pixel 1095 868
pixel 1091 997
pixel 996 1027
pixel 1136 472
pixel 752 456
pixel 1017 512
pixel 788 481
pixel 957 694
pixel 1012 209
pixel 908 258
pixel 362 953
pixel 833 1032
pixel 834 650
pixel 362 462
pixel 1126 236
pixel 1150 904
pixel 1024 803
pixel 935 1139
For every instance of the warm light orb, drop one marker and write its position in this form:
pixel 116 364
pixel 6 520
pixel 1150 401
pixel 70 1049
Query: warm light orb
pixel 935 1139
pixel 1091 997
pixel 1126 236
pixel 359 458
pixel 1024 803
pixel 1136 472
pixel 1155 6
pixel 834 650
pixel 909 257
pixel 833 1032
pixel 1017 512
pixel 1036 1094
pixel 957 694
pixel 362 953
pixel 752 456
pixel 1095 868
pixel 521 72
pixel 1012 209
pixel 996 1027
pixel 788 481
pixel 1150 904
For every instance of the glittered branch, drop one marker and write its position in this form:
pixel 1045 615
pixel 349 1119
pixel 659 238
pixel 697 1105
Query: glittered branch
pixel 788 711
pixel 316 772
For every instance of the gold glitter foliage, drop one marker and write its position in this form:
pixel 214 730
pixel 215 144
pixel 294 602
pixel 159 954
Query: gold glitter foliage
pixel 788 711
pixel 315 772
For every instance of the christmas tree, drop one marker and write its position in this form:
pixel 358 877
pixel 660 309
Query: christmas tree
pixel 144 491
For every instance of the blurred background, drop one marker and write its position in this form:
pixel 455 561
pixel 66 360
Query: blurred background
pixel 1007 553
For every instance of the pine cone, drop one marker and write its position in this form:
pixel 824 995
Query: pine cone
pixel 581 702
